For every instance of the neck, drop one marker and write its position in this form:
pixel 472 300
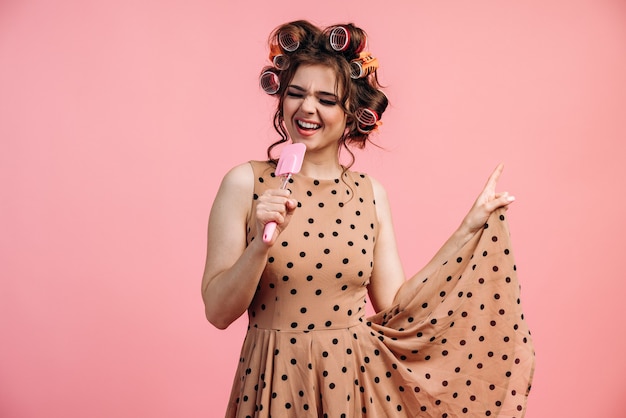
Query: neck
pixel 322 169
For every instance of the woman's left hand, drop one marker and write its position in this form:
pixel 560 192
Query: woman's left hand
pixel 486 202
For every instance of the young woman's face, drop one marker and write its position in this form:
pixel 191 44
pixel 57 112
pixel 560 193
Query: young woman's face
pixel 311 108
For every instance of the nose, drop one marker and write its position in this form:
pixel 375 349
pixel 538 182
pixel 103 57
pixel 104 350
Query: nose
pixel 308 104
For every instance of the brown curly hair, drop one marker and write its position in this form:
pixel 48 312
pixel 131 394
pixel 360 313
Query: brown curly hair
pixel 302 43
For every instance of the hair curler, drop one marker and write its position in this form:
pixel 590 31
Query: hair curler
pixel 363 66
pixel 269 81
pixel 288 41
pixel 366 116
pixel 367 120
pixel 280 60
pixel 339 38
pixel 290 162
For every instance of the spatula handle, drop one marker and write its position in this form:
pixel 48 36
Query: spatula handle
pixel 270 227
pixel 268 231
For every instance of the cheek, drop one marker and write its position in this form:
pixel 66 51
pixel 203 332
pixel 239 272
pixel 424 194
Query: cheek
pixel 287 107
pixel 335 116
pixel 342 120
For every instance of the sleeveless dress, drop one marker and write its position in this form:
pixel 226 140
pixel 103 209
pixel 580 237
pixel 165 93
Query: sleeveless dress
pixel 457 347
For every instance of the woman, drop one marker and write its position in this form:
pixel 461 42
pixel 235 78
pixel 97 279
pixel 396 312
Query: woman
pixel 450 341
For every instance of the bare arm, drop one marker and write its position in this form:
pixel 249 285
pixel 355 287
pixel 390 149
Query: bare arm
pixel 232 269
pixel 387 274
pixel 386 285
pixel 487 201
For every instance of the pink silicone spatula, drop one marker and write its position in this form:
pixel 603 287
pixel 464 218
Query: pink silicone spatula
pixel 290 162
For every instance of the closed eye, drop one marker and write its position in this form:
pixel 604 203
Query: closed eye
pixel 325 98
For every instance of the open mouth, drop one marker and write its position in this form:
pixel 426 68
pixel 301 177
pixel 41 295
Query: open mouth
pixel 308 126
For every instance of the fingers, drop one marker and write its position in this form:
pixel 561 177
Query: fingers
pixel 501 200
pixel 504 195
pixel 494 177
pixel 489 191
pixel 487 202
pixel 273 211
pixel 277 192
pixel 274 206
pixel 291 205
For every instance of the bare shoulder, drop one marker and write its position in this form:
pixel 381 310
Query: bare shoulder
pixel 380 194
pixel 235 193
pixel 382 202
pixel 240 177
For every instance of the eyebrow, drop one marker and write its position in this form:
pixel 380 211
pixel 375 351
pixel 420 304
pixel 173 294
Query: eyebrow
pixel 323 93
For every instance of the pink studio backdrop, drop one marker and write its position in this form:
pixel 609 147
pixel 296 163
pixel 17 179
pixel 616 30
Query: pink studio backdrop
pixel 118 120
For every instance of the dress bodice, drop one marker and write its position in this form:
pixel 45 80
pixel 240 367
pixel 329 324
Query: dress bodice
pixel 318 270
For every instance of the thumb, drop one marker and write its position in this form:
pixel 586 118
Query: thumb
pixel 502 201
pixel 291 206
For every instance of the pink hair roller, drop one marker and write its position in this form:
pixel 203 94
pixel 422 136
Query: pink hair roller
pixel 288 41
pixel 339 38
pixel 367 120
pixel 269 82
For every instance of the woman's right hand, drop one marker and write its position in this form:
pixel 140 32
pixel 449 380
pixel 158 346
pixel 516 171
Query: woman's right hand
pixel 274 205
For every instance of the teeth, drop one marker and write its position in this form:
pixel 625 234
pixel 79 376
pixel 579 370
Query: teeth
pixel 307 125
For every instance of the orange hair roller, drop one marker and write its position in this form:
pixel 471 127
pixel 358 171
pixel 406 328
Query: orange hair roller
pixel 280 60
pixel 363 66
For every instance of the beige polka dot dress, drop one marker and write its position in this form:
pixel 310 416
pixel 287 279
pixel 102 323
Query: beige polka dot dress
pixel 458 347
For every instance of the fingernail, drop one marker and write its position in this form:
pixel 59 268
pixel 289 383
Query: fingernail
pixel 510 198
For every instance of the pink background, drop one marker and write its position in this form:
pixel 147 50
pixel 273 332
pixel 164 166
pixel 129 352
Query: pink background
pixel 119 118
